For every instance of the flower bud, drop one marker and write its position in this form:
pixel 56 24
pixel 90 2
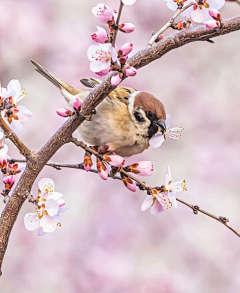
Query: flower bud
pixel 143 168
pixel 215 14
pixel 129 183
pixel 13 169
pixel 103 13
pixel 3 157
pixel 125 49
pixel 100 36
pixel 87 163
pixel 77 104
pixel 102 170
pixel 130 71
pixel 8 181
pixel 126 27
pixel 114 160
pixel 123 59
pixel 212 24
pixel 64 112
pixel 116 79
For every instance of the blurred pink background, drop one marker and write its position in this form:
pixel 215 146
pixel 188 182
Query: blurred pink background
pixel 106 244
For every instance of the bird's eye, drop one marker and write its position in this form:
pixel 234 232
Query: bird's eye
pixel 149 114
pixel 138 116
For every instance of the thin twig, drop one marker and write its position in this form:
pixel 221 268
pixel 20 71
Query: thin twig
pixel 117 23
pixel 14 139
pixel 168 24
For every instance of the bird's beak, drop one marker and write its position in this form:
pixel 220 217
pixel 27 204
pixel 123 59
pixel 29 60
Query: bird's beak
pixel 161 126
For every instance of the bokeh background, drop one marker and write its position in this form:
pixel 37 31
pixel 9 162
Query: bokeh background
pixel 106 244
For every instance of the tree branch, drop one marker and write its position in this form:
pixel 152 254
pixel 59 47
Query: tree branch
pixel 37 161
pixel 14 139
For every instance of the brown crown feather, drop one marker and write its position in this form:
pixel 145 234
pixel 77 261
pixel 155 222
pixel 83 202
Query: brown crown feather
pixel 148 102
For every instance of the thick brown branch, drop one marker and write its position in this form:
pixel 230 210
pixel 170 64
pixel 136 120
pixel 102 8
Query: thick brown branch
pixel 37 161
pixel 14 139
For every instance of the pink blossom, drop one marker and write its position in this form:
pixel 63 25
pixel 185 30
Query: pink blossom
pixel 77 104
pixel 100 36
pixel 212 24
pixel 61 202
pixel 215 14
pixel 64 112
pixel 126 27
pixel 103 72
pixel 101 56
pixel 125 49
pixel 116 79
pixel 130 71
pixel 114 160
pixel 103 13
pixel 128 2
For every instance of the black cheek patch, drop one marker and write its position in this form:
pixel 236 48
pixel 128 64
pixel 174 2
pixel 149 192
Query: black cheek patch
pixel 138 116
pixel 152 129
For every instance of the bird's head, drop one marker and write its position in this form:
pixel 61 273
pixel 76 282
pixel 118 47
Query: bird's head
pixel 147 112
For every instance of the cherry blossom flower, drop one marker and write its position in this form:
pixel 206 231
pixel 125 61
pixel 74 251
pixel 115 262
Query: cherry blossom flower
pixel 125 49
pixel 100 56
pixel 158 203
pixel 49 207
pixel 114 160
pixel 143 168
pixel 199 12
pixel 100 36
pixel 173 5
pixel 174 133
pixel 102 170
pixel 77 104
pixel 103 13
pixel 14 115
pixel 64 112
pixel 116 79
pixel 126 27
pixel 128 2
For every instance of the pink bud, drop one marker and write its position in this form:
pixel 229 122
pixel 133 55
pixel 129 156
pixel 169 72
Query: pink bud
pixel 212 24
pixel 114 160
pixel 215 14
pixel 123 59
pixel 87 163
pixel 116 79
pixel 61 202
pixel 130 184
pixel 3 158
pixel 125 49
pixel 126 27
pixel 64 112
pixel 130 71
pixel 8 181
pixel 103 13
pixel 102 170
pixel 77 104
pixel 100 36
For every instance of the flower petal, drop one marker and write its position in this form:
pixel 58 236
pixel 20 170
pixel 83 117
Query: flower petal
pixel 157 208
pixel 46 184
pixel 31 221
pixel 24 114
pixel 51 207
pixel 147 203
pixel 156 141
pixel 48 224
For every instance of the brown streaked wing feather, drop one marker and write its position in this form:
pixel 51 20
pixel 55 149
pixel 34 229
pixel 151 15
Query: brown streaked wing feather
pixel 90 82
pixel 121 93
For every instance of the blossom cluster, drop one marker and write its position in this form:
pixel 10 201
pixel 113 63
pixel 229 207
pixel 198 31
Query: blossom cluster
pixel 14 116
pixel 105 56
pixel 48 207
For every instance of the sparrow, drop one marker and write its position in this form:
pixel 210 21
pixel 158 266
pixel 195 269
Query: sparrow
pixel 124 121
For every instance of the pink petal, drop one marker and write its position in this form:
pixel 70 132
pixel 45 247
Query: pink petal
pixel 156 141
pixel 48 224
pixel 40 232
pixel 157 208
pixel 125 49
pixel 46 184
pixel 128 2
pixel 147 203
pixel 51 207
pixel 31 221
pixel 116 79
pixel 126 27
pixel 61 203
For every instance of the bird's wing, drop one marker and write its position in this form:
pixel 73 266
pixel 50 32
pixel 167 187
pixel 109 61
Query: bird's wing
pixel 120 93
pixel 57 82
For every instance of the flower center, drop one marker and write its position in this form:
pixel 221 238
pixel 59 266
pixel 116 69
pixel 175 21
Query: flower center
pixel 101 56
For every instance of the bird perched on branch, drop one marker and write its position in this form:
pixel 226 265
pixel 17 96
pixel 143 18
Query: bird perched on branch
pixel 125 120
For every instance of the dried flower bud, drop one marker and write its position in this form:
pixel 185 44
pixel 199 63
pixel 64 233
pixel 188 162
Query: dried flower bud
pixel 143 168
pixel 87 163
pixel 102 170
pixel 8 180
pixel 64 112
